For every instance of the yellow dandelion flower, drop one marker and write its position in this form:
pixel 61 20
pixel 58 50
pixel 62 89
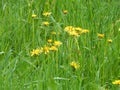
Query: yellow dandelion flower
pixel 53 48
pixel 65 11
pixel 47 13
pixel 36 51
pixel 117 82
pixel 109 40
pixel 100 35
pixel 69 28
pixel 45 23
pixel 49 40
pixel 57 43
pixel 85 31
pixel 54 33
pixel 75 65
pixel 34 15
pixel 73 33
pixel 46 49
pixel 78 29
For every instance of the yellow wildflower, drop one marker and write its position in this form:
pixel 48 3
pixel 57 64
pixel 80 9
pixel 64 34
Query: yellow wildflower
pixel 49 40
pixel 34 15
pixel 65 11
pixel 109 40
pixel 46 49
pixel 85 31
pixel 36 51
pixel 57 43
pixel 100 35
pixel 117 82
pixel 53 48
pixel 78 29
pixel 45 23
pixel 75 65
pixel 69 28
pixel 47 13
pixel 73 33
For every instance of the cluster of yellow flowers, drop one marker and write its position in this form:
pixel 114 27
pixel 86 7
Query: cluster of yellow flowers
pixel 100 36
pixel 46 14
pixel 54 45
pixel 45 23
pixel 117 82
pixel 75 65
pixel 51 47
pixel 75 31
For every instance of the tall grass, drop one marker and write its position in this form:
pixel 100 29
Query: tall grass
pixel 99 60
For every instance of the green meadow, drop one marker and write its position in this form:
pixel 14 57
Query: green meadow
pixel 59 44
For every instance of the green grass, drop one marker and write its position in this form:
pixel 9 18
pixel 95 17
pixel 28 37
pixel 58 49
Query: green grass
pixel 20 34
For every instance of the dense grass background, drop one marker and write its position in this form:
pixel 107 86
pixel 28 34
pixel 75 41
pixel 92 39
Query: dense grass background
pixel 20 33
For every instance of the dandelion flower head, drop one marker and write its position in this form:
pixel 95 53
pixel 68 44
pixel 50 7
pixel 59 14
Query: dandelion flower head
pixel 46 49
pixel 73 33
pixel 117 82
pixel 57 43
pixel 69 28
pixel 100 35
pixel 45 23
pixel 49 40
pixel 75 65
pixel 78 29
pixel 85 31
pixel 53 48
pixel 47 13
pixel 65 11
pixel 36 51
pixel 109 40
pixel 34 15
